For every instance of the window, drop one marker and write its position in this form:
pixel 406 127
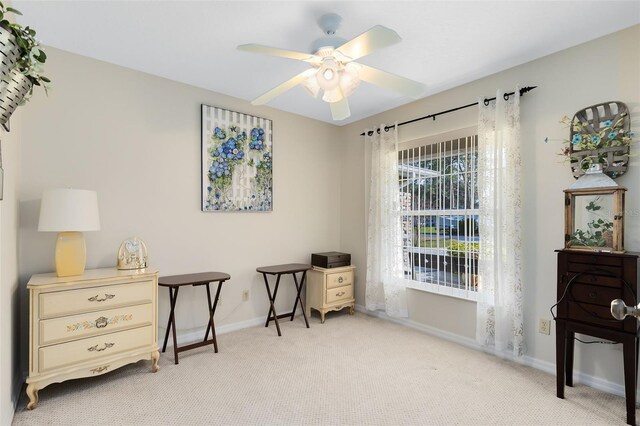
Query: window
pixel 439 203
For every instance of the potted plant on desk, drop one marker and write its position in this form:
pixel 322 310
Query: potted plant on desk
pixel 21 65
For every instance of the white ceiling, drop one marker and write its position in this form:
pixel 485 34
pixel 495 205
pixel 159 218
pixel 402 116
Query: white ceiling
pixel 445 44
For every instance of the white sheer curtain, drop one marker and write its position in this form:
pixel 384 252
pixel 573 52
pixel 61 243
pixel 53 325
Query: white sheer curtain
pixel 499 311
pixel 385 289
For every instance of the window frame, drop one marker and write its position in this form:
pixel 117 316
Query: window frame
pixel 419 143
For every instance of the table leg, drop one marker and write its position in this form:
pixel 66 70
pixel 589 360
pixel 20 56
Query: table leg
pixel 173 324
pixel 561 339
pixel 172 306
pixel 568 369
pixel 629 355
pixel 272 308
pixel 212 311
pixel 299 290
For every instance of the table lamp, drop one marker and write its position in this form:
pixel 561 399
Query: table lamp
pixel 69 212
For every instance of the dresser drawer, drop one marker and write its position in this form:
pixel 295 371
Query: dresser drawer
pixel 78 326
pixel 606 270
pixel 599 280
pixel 595 294
pixel 595 259
pixel 339 279
pixel 68 302
pixel 593 314
pixel 339 293
pixel 94 347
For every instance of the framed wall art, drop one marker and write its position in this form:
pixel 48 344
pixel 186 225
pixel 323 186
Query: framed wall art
pixel 237 160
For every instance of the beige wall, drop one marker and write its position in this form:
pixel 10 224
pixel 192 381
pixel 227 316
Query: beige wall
pixel 135 139
pixel 10 378
pixel 601 70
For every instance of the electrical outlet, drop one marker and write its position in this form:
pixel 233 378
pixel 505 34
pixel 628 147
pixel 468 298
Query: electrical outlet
pixel 544 326
pixel 245 295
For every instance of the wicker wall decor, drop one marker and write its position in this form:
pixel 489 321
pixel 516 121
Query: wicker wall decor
pixel 593 119
pixel 9 52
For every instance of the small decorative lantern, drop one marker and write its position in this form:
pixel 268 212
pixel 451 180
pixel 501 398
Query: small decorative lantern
pixel 593 213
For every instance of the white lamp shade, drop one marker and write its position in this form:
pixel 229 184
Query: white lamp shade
pixel 64 210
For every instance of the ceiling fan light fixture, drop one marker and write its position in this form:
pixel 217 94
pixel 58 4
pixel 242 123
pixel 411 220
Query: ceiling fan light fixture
pixel 328 76
pixel 311 86
pixel 349 79
pixel 333 95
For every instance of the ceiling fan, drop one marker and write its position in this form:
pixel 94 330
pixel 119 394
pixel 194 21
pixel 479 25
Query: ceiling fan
pixel 334 71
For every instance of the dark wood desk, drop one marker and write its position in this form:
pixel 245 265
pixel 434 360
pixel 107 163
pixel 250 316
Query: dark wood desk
pixel 587 283
pixel 174 282
pixel 279 271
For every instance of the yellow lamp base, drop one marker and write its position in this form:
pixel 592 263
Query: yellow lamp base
pixel 71 254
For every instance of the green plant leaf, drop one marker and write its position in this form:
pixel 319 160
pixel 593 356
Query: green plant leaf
pixel 45 79
pixel 16 11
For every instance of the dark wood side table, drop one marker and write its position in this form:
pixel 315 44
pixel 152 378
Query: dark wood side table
pixel 279 271
pixel 174 282
pixel 587 283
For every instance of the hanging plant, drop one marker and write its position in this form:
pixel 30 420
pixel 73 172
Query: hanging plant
pixel 31 58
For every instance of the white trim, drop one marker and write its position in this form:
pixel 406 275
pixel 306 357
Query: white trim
pixel 548 367
pixel 196 334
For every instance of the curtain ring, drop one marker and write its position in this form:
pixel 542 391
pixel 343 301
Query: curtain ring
pixel 506 96
pixel 386 128
pixel 486 102
pixel 378 131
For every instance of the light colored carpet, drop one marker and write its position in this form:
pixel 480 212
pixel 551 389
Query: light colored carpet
pixel 351 370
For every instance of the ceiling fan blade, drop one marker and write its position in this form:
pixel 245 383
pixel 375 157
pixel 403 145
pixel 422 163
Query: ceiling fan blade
pixel 340 110
pixel 410 88
pixel 273 51
pixel 368 42
pixel 287 85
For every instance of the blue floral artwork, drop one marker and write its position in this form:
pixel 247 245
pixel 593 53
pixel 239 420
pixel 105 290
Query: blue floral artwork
pixel 237 157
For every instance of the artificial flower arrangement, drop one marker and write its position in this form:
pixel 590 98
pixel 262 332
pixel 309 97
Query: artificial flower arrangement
pixel 606 142
pixel 611 133
pixel 31 57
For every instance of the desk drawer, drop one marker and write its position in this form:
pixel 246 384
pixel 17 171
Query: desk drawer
pixel 339 293
pixel 68 302
pixel 93 347
pixel 78 326
pixel 339 279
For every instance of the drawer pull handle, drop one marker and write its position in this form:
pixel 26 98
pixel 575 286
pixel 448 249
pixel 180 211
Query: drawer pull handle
pixel 106 346
pixel 97 298
pixel 342 293
pixel 593 294
pixel 99 369
pixel 102 322
pixel 340 280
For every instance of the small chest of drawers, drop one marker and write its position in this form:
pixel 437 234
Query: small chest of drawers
pixel 90 324
pixel 330 290
pixel 587 283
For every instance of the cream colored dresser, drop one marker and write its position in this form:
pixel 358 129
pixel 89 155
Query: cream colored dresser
pixel 330 290
pixel 90 324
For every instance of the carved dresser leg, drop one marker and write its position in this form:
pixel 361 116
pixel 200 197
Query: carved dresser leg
pixel 351 310
pixel 32 393
pixel 155 356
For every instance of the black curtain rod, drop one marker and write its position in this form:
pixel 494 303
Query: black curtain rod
pixel 486 102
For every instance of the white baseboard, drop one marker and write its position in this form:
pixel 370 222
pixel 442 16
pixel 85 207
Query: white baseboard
pixel 196 334
pixel 547 367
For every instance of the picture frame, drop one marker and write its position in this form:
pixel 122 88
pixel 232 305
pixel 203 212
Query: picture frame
pixel 237 161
